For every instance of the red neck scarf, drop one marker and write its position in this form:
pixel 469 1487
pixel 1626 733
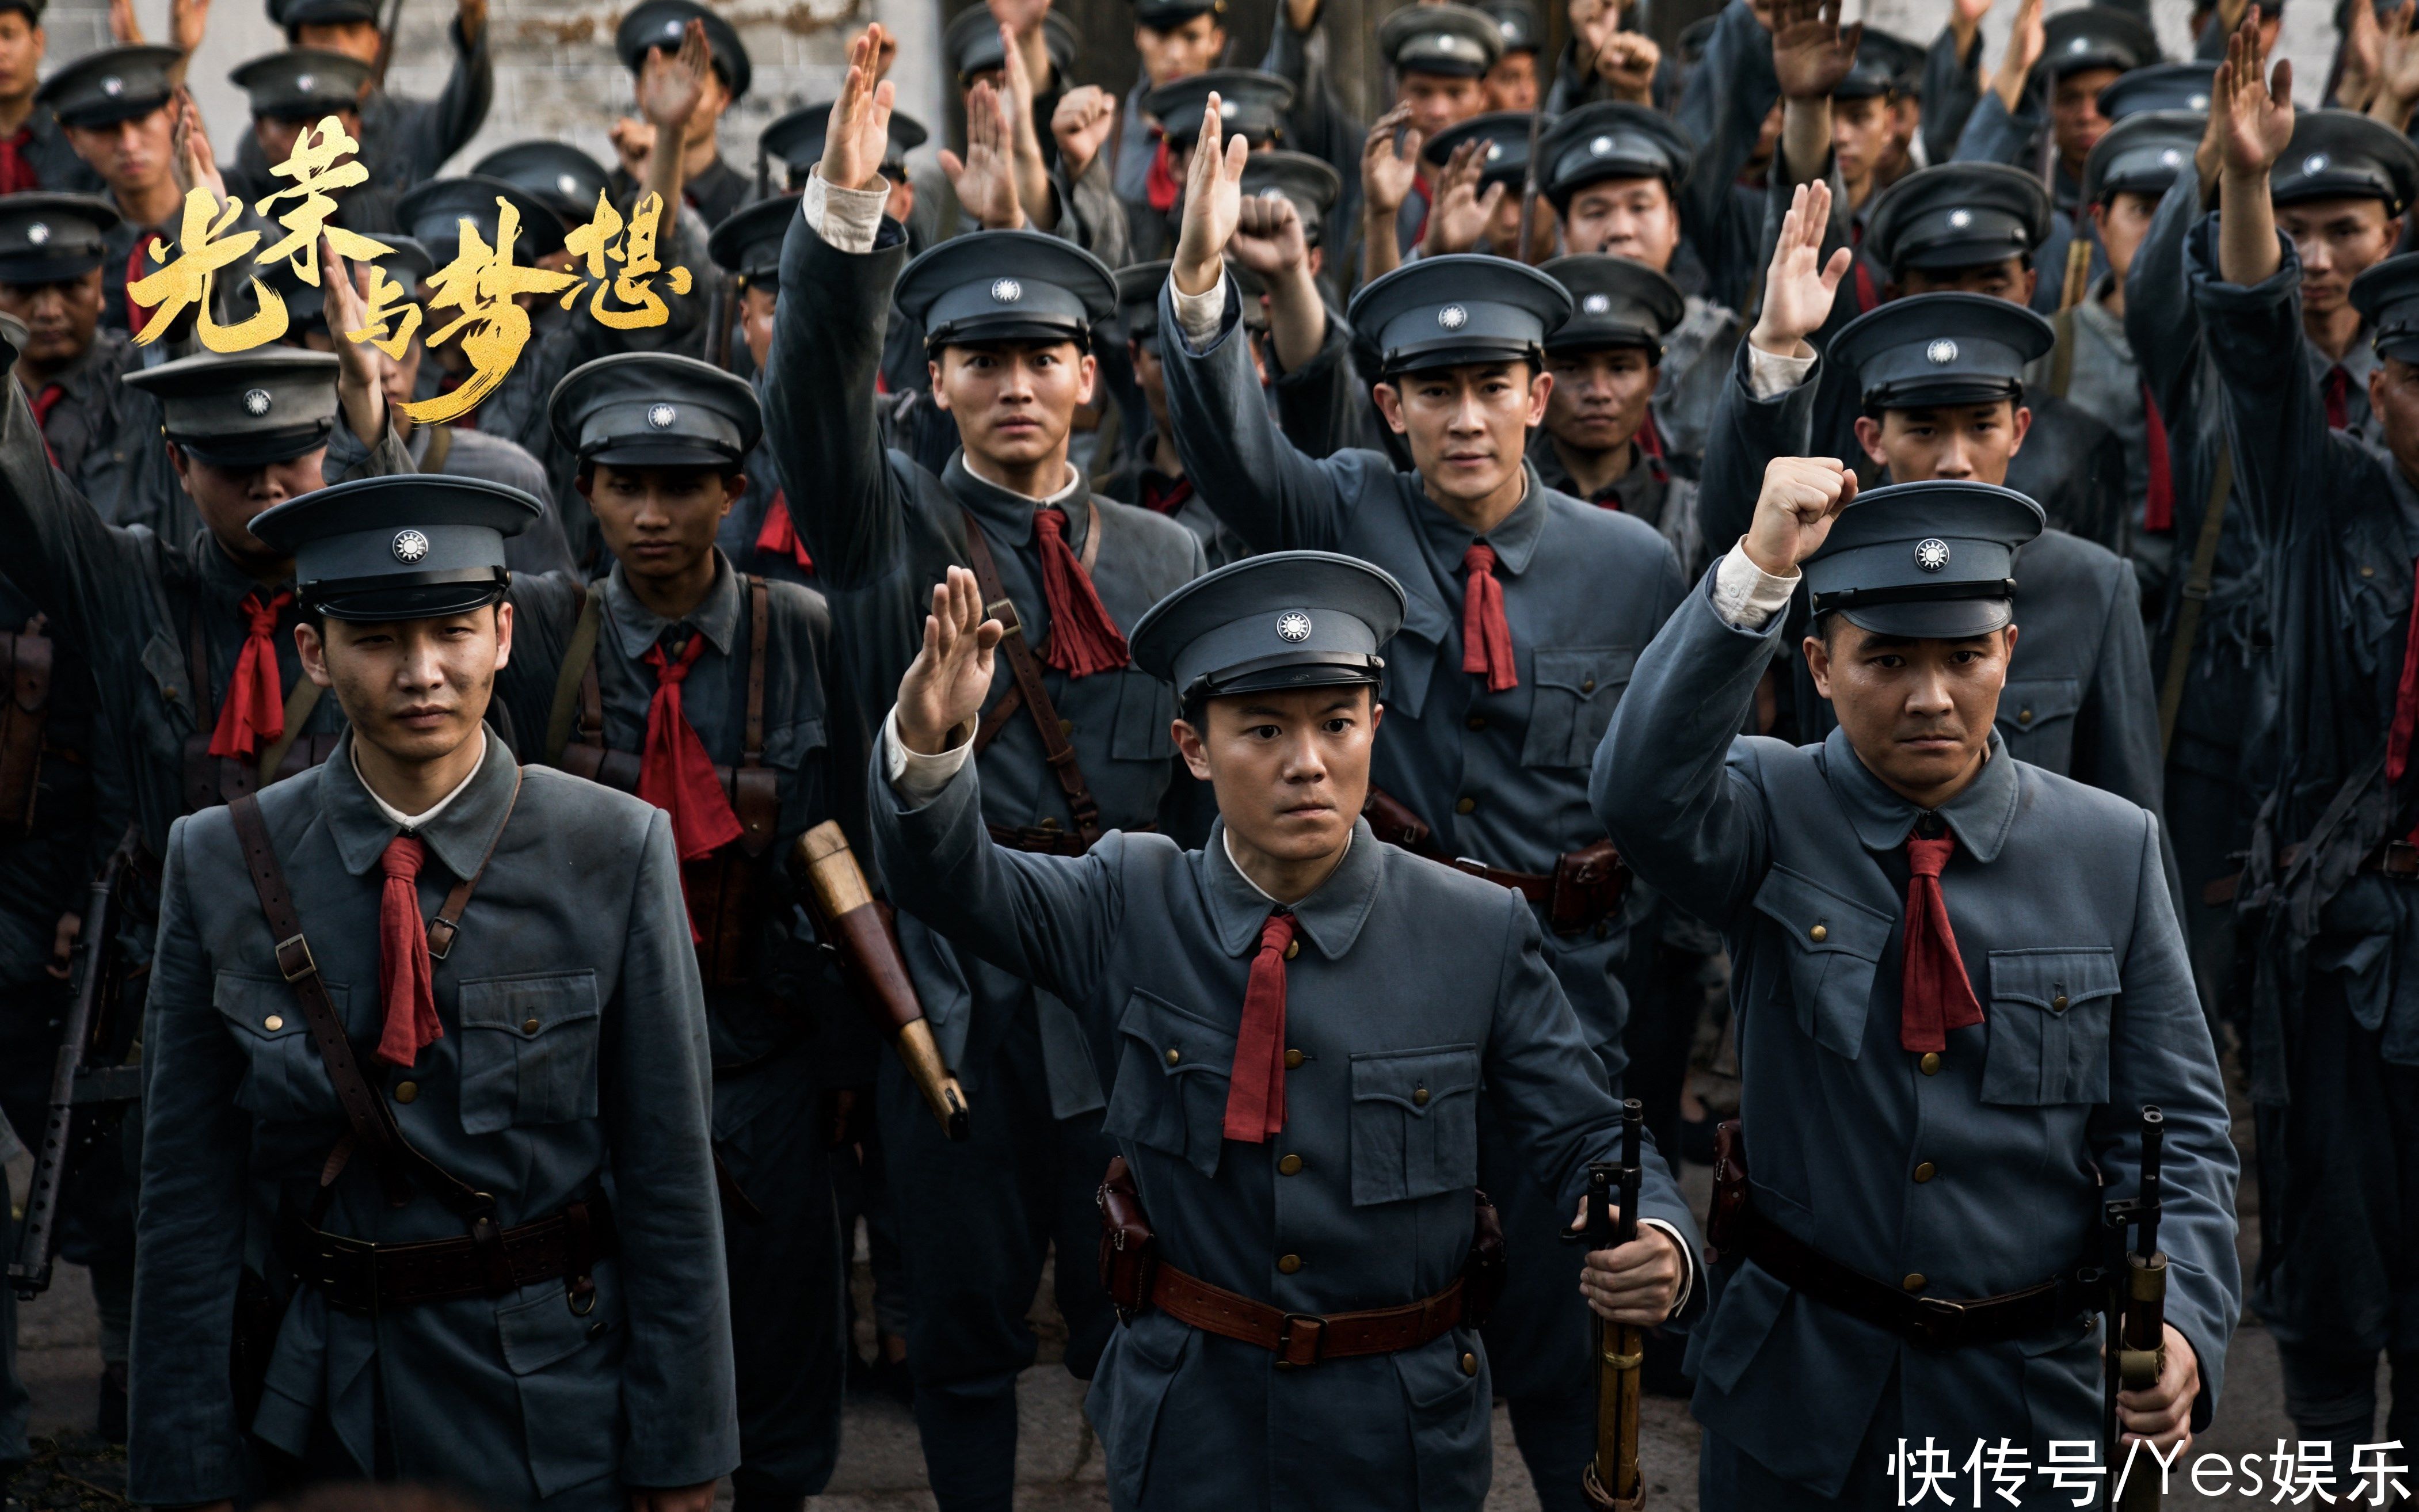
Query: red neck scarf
pixel 2159 505
pixel 779 536
pixel 674 773
pixel 1256 1110
pixel 1083 638
pixel 2337 388
pixel 17 173
pixel 1166 499
pixel 403 973
pixel 1159 185
pixel 1485 636
pixel 1650 440
pixel 254 714
pixel 44 403
pixel 137 316
pixel 1935 996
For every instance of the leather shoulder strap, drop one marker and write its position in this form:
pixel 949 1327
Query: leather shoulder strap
pixel 1027 668
pixel 299 705
pixel 759 613
pixel 443 929
pixel 2196 590
pixel 440 446
pixel 579 665
pixel 2061 361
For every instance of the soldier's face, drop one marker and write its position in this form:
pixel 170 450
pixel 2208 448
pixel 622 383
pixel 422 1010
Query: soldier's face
pixel 130 155
pixel 2007 279
pixel 1172 52
pixel 1468 426
pixel 1860 137
pixel 277 136
pixel 2393 397
pixel 2337 240
pixel 1290 769
pixel 1440 101
pixel 1630 218
pixel 1918 713
pixel 2123 220
pixel 1961 442
pixel 1512 85
pixel 659 522
pixel 354 39
pixel 1014 401
pixel 1599 399
pixel 416 689
pixel 21 55
pixel 756 321
pixel 59 318
pixel 2074 120
pixel 227 497
pixel 1152 379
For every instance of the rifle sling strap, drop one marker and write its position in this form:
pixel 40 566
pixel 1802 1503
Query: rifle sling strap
pixel 578 656
pixel 2194 592
pixel 1030 690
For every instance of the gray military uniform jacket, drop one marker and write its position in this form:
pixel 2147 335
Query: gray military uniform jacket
pixel 573 1062
pixel 883 531
pixel 2058 897
pixel 1152 948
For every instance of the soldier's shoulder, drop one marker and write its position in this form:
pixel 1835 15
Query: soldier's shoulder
pixel 2082 814
pixel 796 603
pixel 1435 894
pixel 553 797
pixel 2073 559
pixel 1159 539
pixel 1594 526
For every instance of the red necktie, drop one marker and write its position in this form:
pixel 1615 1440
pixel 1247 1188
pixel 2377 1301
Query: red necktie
pixel 1255 1086
pixel 675 772
pixel 1160 186
pixel 17 173
pixel 1867 296
pixel 1650 440
pixel 779 535
pixel 49 398
pixel 403 980
pixel 1935 996
pixel 1083 638
pixel 137 316
pixel 254 714
pixel 2159 504
pixel 1486 638
pixel 2337 388
pixel 1169 500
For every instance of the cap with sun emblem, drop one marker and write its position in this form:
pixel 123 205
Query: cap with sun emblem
pixel 291 14
pixel 1288 619
pixel 2183 86
pixel 405 547
pixel 1456 41
pixel 113 84
pixel 2141 154
pixel 267 404
pixel 1928 561
pixel 658 24
pixel 46 238
pixel 1616 302
pixel 2338 154
pixel 1250 104
pixel 797 140
pixel 655 410
pixel 1166 15
pixel 749 241
pixel 433 213
pixel 1308 182
pixel 1941 348
pixel 1504 157
pixel 1006 286
pixel 1958 215
pixel 970 43
pixel 558 173
pixel 1611 139
pixel 1515 23
pixel 302 83
pixel 2095 37
pixel 1466 307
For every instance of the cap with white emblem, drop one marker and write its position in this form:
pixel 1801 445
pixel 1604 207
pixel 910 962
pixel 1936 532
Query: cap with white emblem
pixel 1006 286
pixel 301 84
pixel 2338 154
pixel 1958 215
pixel 1285 620
pixel 1464 307
pixel 403 546
pixel 1452 40
pixel 1941 348
pixel 655 410
pixel 1504 158
pixel 1928 561
pixel 113 84
pixel 658 24
pixel 46 238
pixel 248 410
pixel 1251 103
pixel 1622 304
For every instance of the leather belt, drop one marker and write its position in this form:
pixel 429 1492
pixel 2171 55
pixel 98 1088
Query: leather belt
pixel 1536 887
pixel 1936 1323
pixel 1584 890
pixel 2398 858
pixel 1303 1339
pixel 366 1279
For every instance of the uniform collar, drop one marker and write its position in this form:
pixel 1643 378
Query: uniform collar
pixel 1514 539
pixel 1330 916
pixel 1979 817
pixel 638 627
pixel 1012 512
pixel 227 584
pixel 461 835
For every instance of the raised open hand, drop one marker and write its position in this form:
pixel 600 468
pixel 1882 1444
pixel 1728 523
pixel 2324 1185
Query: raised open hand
pixel 360 368
pixel 1461 212
pixel 946 685
pixel 187 21
pixel 191 159
pixel 2363 49
pixel 1389 167
pixel 858 135
pixel 1214 198
pixel 2250 116
pixel 672 84
pixel 1810 51
pixel 985 178
pixel 1800 285
pixel 2397 65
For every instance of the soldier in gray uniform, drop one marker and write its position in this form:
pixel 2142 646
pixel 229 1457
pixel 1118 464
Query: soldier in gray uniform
pixel 1525 609
pixel 290 93
pixel 51 250
pixel 703 691
pixel 1606 361
pixel 1310 1166
pixel 1079 746
pixel 1951 969
pixel 1151 472
pixel 469 981
pixel 114 107
pixel 708 181
pixel 34 152
pixel 1938 377
pixel 1172 39
pixel 1258 104
pixel 404 142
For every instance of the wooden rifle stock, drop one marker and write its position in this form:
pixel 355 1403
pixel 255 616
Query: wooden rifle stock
pixel 857 927
pixel 386 44
pixel 2142 1320
pixel 1612 1480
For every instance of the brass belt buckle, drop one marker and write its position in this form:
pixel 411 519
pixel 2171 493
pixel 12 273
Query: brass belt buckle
pixel 1318 1341
pixel 1934 1316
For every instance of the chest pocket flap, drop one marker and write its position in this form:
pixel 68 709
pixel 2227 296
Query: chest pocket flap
pixel 161 660
pixel 1576 688
pixel 1414 1123
pixel 2049 1019
pixel 1834 945
pixel 1411 656
pixel 2030 703
pixel 284 1076
pixel 528 1049
pixel 1173 1069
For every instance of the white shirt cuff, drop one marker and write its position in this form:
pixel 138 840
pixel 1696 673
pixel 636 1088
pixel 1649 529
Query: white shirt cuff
pixel 1768 376
pixel 917 779
pixel 848 219
pixel 1687 1261
pixel 1746 596
pixel 1197 314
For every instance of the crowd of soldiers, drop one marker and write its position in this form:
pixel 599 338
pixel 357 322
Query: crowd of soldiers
pixel 1902 555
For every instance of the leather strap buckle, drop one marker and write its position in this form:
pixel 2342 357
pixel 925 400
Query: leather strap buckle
pixel 1936 1319
pixel 1004 611
pixel 294 958
pixel 1300 1351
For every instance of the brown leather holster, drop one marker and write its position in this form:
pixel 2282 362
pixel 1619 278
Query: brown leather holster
pixel 1584 890
pixel 25 712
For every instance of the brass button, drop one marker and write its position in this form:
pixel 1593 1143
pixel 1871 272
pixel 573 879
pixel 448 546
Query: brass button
pixel 168 694
pixel 2023 717
pixel 1914 1281
pixel 1174 1054
pixel 1588 687
pixel 1469 1365
pixel 1293 947
pixel 1066 727
pixel 1931 1063
pixel 1465 805
pixel 1476 721
pixel 530 1026
pixel 273 1023
pixel 1289 1263
pixel 1294 1059
pixel 1818 934
pixel 1419 1097
pixel 1291 1165
pixel 2368 571
pixel 2057 1004
pixel 406 1091
pixel 1924 1172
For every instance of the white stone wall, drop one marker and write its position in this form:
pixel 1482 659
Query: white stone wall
pixel 2308 38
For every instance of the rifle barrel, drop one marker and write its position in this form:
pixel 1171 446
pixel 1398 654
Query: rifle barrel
pixel 29 1272
pixel 2154 1131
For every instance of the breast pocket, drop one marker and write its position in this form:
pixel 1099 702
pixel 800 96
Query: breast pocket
pixel 1835 946
pixel 1412 656
pixel 2049 1026
pixel 528 1049
pixel 2036 718
pixel 283 1077
pixel 1576 688
pixel 1414 1123
pixel 1173 1070
pixel 1146 708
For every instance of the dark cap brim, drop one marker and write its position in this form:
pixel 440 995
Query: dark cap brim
pixel 407 601
pixel 1427 356
pixel 26 272
pixel 648 452
pixel 1317 671
pixel 258 450
pixel 1933 619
